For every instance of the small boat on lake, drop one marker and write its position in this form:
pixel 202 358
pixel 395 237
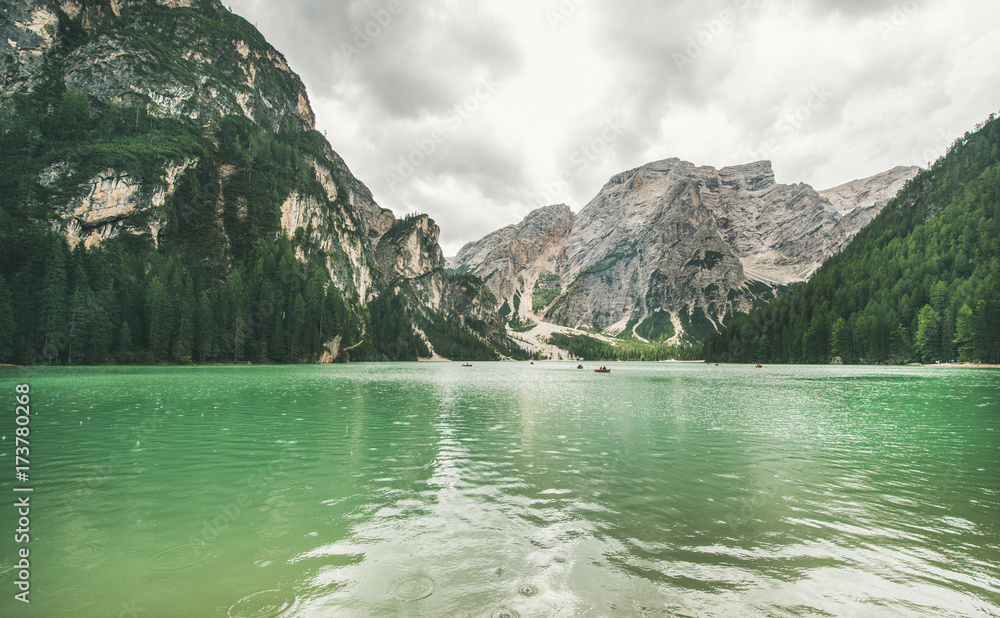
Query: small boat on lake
pixel 467 365
pixel 579 366
pixel 602 370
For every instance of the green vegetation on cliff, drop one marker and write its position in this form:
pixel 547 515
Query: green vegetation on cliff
pixel 117 304
pixel 593 349
pixel 218 280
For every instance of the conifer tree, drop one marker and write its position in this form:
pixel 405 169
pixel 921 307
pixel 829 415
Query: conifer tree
pixel 159 325
pixel 125 343
pixel 54 305
pixel 206 331
pixel 6 323
pixel 929 334
pixel 237 323
pixel 965 333
pixel 78 328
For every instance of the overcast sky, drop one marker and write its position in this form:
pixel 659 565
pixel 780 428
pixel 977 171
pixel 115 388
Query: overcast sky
pixel 478 112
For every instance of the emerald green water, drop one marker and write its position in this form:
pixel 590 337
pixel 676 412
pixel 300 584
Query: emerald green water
pixel 662 489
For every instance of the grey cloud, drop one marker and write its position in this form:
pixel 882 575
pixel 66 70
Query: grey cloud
pixel 416 60
pixel 432 54
pixel 473 158
pixel 857 8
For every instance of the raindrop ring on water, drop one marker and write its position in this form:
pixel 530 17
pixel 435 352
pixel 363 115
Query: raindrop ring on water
pixel 263 604
pixel 504 612
pixel 528 590
pixel 178 558
pixel 412 588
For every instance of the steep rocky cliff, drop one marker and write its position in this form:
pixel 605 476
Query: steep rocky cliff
pixel 167 141
pixel 448 310
pixel 671 250
pixel 513 252
pixel 175 69
pixel 189 58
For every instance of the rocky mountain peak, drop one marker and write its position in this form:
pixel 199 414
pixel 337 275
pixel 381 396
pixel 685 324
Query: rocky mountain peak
pixel 870 192
pixel 756 176
pixel 506 257
pixel 410 248
pixel 700 243
pixel 176 57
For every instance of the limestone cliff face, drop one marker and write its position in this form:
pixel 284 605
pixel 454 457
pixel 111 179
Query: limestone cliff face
pixel 220 71
pixel 411 259
pixel 411 249
pixel 515 253
pixel 112 202
pixel 336 178
pixel 196 63
pixel 700 243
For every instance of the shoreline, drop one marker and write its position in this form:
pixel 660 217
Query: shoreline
pixel 964 365
pixel 442 360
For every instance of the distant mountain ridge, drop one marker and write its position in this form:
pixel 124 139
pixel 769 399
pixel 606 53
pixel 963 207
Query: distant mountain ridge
pixel 700 244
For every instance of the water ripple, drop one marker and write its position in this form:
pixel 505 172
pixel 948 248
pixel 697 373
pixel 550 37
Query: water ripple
pixel 263 604
pixel 412 588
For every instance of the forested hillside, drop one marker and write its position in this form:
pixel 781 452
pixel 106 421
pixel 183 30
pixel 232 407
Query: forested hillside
pixel 165 198
pixel 921 282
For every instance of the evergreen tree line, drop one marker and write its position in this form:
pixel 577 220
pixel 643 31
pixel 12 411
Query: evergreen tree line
pixel 452 341
pixel 920 283
pixel 392 328
pixel 217 286
pixel 93 306
pixel 593 349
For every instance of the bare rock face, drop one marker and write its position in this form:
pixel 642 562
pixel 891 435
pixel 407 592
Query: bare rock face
pixel 111 200
pixel 410 249
pixel 238 72
pixel 411 259
pixel 699 243
pixel 868 193
pixel 516 251
pixel 375 220
pixel 197 63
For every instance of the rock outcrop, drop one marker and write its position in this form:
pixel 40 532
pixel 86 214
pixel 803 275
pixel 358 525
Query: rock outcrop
pixel 228 70
pixel 502 257
pixel 411 259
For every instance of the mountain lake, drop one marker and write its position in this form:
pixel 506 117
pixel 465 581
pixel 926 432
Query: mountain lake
pixel 506 489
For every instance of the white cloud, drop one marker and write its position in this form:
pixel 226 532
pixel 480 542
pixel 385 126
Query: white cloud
pixel 714 82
